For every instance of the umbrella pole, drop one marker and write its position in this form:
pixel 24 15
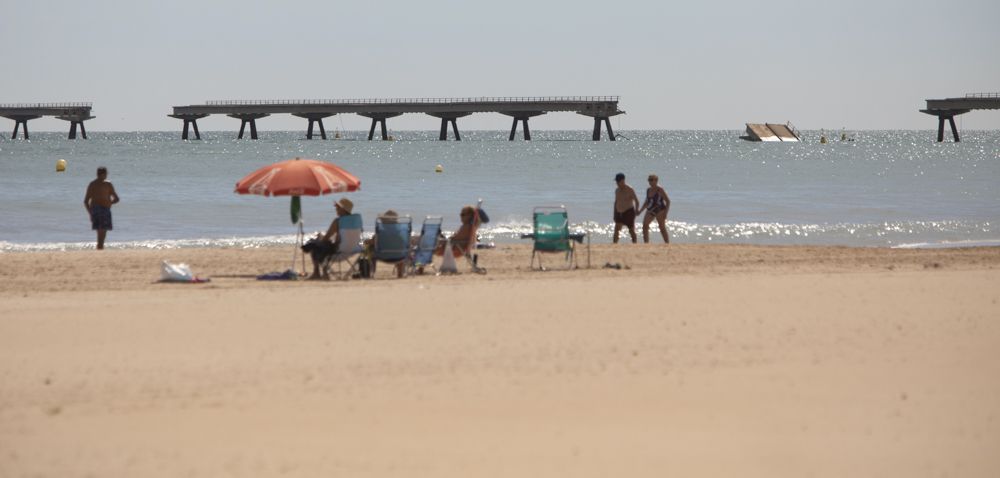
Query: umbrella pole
pixel 299 236
pixel 302 236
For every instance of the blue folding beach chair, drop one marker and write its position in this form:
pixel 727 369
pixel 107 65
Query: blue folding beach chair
pixel 423 252
pixel 551 235
pixel 350 230
pixel 392 240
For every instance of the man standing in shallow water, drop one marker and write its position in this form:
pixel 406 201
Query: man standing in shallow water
pixel 625 205
pixel 100 196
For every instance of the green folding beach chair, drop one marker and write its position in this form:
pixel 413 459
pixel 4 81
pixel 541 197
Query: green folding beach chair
pixel 551 235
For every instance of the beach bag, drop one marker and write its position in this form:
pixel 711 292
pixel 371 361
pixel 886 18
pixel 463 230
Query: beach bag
pixel 175 272
pixel 448 264
pixel 365 268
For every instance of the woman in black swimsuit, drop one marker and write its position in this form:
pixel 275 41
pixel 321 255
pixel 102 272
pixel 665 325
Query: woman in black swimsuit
pixel 656 206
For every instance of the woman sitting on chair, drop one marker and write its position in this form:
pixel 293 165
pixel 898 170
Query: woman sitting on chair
pixel 464 236
pixel 328 244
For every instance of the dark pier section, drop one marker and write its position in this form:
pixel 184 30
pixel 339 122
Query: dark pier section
pixel 448 110
pixel 21 113
pixel 948 108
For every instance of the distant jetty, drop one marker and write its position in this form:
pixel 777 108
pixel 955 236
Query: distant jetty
pixel 948 108
pixel 21 113
pixel 600 108
pixel 771 132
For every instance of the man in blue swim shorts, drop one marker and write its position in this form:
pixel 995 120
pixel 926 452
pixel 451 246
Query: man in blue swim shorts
pixel 100 196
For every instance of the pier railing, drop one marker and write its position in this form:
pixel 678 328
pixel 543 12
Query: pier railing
pixel 982 95
pixel 47 105
pixel 356 101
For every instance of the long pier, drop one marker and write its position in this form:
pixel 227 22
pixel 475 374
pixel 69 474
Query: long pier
pixel 448 110
pixel 948 108
pixel 21 113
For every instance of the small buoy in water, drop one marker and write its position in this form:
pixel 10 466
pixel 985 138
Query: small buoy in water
pixel 60 165
pixel 439 169
pixel 822 139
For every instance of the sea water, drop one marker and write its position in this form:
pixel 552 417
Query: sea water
pixel 884 188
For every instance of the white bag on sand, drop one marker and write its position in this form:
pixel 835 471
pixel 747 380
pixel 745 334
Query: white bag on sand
pixel 175 272
pixel 448 265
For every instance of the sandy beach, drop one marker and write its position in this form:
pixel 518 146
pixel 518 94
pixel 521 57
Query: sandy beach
pixel 689 360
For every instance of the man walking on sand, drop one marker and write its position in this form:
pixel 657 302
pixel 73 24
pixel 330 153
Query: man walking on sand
pixel 625 205
pixel 100 196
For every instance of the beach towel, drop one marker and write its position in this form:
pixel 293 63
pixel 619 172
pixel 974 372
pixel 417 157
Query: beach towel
pixel 287 275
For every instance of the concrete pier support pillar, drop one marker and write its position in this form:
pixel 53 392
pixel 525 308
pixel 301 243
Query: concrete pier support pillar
pixel 314 118
pixel 524 125
pixel 190 121
pixel 597 128
pixel 379 119
pixel 250 119
pixel 74 121
pixel 21 121
pixel 522 116
pixel 449 118
pixel 949 115
pixel 17 125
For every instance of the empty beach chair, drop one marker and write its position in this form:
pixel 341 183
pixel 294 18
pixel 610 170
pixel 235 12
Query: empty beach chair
pixel 391 242
pixel 423 251
pixel 551 235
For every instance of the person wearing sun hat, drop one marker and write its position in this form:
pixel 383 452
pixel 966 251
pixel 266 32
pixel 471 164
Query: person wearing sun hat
pixel 329 243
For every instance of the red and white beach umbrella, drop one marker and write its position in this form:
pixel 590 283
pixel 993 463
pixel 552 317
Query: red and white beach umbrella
pixel 298 177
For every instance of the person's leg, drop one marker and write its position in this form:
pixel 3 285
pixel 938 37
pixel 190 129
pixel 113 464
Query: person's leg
pixel 618 229
pixel 646 220
pixel 631 231
pixel 101 234
pixel 661 220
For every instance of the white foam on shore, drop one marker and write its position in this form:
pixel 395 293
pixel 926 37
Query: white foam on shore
pixel 950 244
pixel 904 235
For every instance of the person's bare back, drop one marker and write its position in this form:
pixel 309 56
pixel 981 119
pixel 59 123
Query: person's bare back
pixel 100 192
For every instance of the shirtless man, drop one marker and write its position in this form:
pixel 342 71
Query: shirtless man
pixel 657 206
pixel 100 196
pixel 625 205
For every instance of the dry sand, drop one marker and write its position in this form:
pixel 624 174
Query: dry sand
pixel 694 361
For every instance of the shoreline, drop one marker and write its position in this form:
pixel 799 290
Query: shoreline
pixel 118 269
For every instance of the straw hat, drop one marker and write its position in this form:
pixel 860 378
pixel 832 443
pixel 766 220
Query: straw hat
pixel 345 204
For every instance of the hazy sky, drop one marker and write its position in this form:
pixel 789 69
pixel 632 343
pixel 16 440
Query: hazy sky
pixel 676 65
